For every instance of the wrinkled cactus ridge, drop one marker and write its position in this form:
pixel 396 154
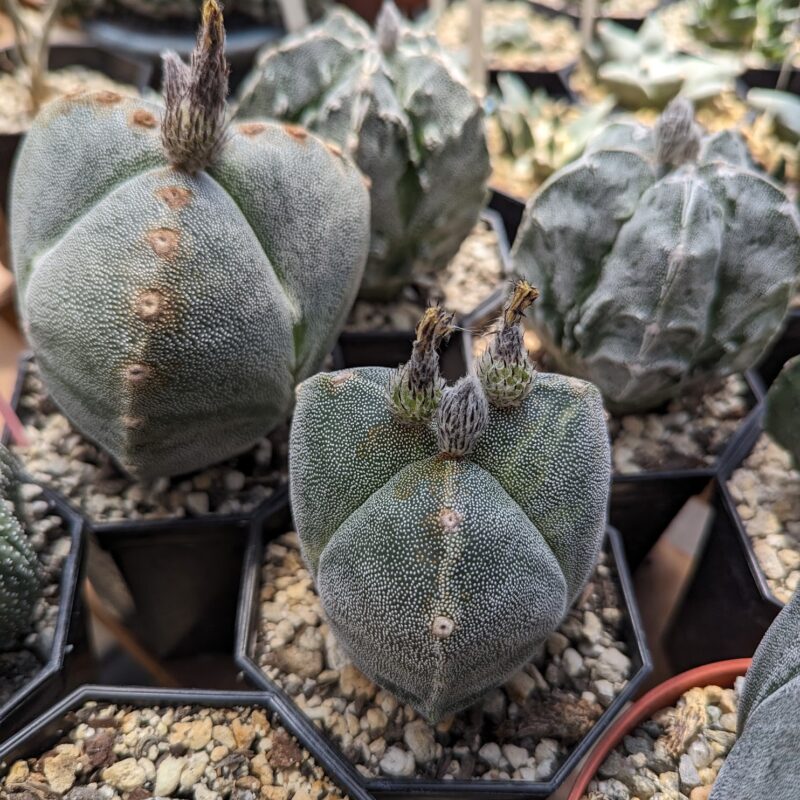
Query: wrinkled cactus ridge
pixel 665 261
pixel 177 277
pixel 763 762
pixel 782 420
pixel 19 567
pixel 392 101
pixel 446 548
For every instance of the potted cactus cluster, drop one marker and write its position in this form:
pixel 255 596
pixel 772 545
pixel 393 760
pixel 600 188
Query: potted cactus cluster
pixel 304 402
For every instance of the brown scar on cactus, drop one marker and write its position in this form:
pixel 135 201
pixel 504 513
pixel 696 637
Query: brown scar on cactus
pixel 296 132
pixel 442 627
pixel 450 519
pixel 342 377
pixel 132 423
pixel 164 242
pixel 175 196
pixel 252 128
pixel 106 98
pixel 143 118
pixel 150 305
pixel 416 387
pixel 194 127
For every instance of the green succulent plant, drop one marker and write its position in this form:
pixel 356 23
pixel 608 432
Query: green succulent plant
pixel 642 70
pixel 538 133
pixel 178 276
pixel 784 109
pixel 763 762
pixel 449 528
pixel 665 260
pixel 392 100
pixel 783 409
pixel 20 585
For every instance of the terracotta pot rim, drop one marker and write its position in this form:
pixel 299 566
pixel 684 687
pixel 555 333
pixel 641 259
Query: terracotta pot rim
pixel 719 673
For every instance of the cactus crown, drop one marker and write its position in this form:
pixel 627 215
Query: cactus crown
pixel 194 127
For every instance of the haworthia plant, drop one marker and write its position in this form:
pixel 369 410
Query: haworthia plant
pixel 642 70
pixel 783 409
pixel 392 100
pixel 178 276
pixel 19 567
pixel 763 763
pixel 449 528
pixel 664 258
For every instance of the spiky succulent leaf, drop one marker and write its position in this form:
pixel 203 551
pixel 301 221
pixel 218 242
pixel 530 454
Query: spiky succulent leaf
pixel 19 566
pixel 176 279
pixel 656 279
pixel 393 101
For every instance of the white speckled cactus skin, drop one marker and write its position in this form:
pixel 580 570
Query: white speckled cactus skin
pixel 442 567
pixel 19 573
pixel 783 409
pixel 664 260
pixel 394 102
pixel 764 761
pixel 172 311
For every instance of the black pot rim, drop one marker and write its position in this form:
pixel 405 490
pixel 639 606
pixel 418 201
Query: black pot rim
pixel 67 599
pixel 146 527
pixel 744 446
pixel 247 619
pixel 302 729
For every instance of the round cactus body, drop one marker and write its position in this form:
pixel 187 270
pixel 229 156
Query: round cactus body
pixel 177 278
pixel 763 762
pixel 391 100
pixel 783 409
pixel 445 551
pixel 19 567
pixel 664 260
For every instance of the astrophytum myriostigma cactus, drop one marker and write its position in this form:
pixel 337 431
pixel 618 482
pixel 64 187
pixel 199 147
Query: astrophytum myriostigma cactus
pixel 392 101
pixel 178 276
pixel 764 761
pixel 664 259
pixel 782 420
pixel 19 569
pixel 448 529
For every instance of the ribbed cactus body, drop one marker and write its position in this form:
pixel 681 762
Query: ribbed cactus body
pixel 172 310
pixel 393 102
pixel 19 567
pixel 763 763
pixel 445 553
pixel 783 409
pixel 664 261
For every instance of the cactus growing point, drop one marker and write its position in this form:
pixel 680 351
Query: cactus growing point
pixel 665 261
pixel 447 546
pixel 178 276
pixel 392 100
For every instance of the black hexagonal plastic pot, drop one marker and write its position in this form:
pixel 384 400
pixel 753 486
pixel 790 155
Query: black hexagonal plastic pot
pixel 182 572
pixel 70 661
pixel 44 732
pixel 390 348
pixel 246 630
pixel 117 67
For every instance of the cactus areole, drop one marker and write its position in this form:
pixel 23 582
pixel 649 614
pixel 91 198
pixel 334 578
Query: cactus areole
pixel 178 276
pixel 665 261
pixel 449 529
pixel 392 100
